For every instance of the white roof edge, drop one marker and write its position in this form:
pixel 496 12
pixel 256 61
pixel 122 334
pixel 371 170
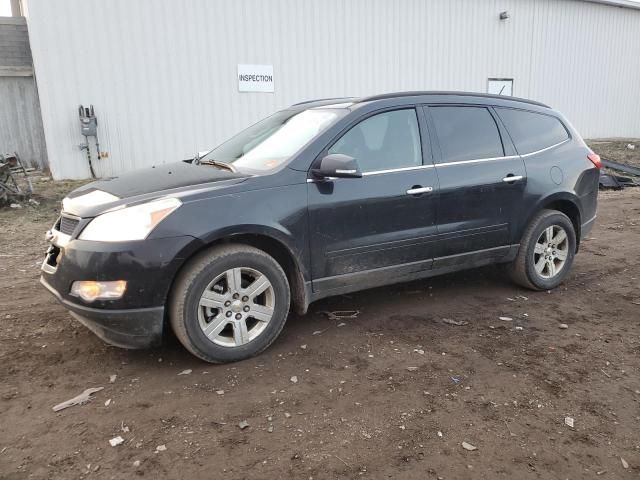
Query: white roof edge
pixel 618 3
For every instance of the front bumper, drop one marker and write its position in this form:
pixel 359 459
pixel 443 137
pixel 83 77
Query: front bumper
pixel 136 320
pixel 131 328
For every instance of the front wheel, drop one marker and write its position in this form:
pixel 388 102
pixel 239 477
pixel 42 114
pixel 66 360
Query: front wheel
pixel 229 303
pixel 547 250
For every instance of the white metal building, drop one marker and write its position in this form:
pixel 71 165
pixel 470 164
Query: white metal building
pixel 163 75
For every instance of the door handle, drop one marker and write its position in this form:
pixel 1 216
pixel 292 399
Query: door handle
pixel 419 190
pixel 512 178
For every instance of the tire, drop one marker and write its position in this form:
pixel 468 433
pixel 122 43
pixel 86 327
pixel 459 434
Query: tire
pixel 535 252
pixel 214 274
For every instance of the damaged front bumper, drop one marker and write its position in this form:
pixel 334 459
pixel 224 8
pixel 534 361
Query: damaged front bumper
pixel 131 328
pixel 136 319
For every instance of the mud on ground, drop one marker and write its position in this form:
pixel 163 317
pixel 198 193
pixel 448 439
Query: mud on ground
pixel 390 394
pixel 617 150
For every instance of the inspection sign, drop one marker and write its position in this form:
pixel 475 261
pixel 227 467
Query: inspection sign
pixel 255 78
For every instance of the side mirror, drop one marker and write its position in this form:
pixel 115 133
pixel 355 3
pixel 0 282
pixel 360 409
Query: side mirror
pixel 338 165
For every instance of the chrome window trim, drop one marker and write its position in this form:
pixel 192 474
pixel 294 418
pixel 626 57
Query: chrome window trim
pixel 545 149
pixel 479 160
pixel 378 172
pixel 461 162
pixel 393 170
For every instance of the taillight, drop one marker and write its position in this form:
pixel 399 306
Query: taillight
pixel 595 159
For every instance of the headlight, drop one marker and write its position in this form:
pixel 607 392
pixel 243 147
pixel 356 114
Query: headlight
pixel 130 223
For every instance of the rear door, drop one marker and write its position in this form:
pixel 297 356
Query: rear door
pixel 384 221
pixel 481 182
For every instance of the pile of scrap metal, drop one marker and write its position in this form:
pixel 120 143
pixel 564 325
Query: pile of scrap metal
pixel 611 181
pixel 12 175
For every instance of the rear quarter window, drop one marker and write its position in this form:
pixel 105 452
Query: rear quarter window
pixel 531 131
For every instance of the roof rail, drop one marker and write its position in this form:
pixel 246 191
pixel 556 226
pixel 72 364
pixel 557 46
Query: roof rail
pixel 462 94
pixel 324 100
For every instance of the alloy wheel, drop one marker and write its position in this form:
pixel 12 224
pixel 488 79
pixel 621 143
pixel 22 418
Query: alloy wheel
pixel 551 251
pixel 236 307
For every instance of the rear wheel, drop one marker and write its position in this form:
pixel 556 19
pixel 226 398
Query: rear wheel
pixel 546 251
pixel 229 303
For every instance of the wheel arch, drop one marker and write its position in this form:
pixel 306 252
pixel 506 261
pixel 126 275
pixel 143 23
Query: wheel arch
pixel 564 202
pixel 273 243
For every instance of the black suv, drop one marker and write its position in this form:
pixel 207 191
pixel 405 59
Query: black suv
pixel 323 198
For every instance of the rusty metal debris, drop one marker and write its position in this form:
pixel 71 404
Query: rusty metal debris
pixel 11 172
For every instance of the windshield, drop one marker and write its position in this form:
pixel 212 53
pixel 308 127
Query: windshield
pixel 274 140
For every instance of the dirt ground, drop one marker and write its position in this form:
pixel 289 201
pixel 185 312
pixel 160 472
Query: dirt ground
pixel 392 393
pixel 617 150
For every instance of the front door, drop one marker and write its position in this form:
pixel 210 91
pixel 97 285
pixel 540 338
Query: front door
pixel 482 182
pixel 384 222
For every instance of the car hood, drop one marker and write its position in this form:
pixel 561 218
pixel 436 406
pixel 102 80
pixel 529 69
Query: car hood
pixel 145 184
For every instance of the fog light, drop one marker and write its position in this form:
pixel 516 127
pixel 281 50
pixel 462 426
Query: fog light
pixel 90 290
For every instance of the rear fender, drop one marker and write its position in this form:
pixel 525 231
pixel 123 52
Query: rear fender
pixel 565 202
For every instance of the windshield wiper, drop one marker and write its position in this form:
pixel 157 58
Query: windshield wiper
pixel 216 163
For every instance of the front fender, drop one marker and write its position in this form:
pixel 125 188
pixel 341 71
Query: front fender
pixel 278 233
pixel 277 212
pixel 282 246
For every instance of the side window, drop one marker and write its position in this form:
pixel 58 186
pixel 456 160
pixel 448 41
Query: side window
pixel 384 141
pixel 532 131
pixel 466 133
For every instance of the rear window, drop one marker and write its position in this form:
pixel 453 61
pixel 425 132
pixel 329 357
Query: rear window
pixel 531 131
pixel 466 133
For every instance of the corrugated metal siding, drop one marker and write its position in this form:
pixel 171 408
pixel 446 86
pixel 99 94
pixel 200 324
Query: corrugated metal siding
pixel 14 43
pixel 162 74
pixel 20 122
